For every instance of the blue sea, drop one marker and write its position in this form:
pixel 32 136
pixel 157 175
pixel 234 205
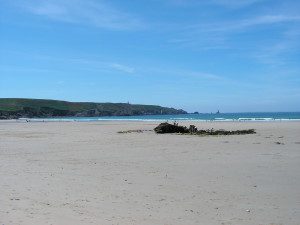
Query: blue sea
pixel 261 116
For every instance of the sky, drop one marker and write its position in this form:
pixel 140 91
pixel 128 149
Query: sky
pixel 198 55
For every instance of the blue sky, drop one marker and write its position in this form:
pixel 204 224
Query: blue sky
pixel 232 55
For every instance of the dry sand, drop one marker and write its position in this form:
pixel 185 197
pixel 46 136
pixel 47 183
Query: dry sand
pixel 69 173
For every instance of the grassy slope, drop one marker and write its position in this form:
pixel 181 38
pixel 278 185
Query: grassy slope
pixel 16 104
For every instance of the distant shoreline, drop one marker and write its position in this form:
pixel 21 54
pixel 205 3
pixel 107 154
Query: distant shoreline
pixel 222 117
pixel 82 120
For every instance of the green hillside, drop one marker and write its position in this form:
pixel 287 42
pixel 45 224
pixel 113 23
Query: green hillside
pixel 20 107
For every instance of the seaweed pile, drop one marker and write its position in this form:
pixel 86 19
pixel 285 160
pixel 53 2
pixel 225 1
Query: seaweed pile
pixel 165 128
pixel 132 131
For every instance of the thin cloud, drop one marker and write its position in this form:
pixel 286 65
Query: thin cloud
pixel 233 4
pixel 236 3
pixel 242 24
pixel 83 63
pixel 86 12
pixel 103 65
pixel 279 53
pixel 215 35
pixel 13 68
pixel 184 73
pixel 122 68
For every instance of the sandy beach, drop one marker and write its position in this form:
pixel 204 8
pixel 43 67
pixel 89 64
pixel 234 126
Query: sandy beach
pixel 65 173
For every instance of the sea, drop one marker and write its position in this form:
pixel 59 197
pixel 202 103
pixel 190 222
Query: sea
pixel 251 116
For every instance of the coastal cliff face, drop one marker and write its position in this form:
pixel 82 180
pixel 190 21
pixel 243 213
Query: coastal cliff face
pixel 12 108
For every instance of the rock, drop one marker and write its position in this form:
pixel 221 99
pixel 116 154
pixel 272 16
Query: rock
pixel 170 128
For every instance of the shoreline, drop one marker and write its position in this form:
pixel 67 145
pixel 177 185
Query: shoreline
pixel 86 120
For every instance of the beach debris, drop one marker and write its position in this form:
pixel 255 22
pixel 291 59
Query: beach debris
pixel 193 129
pixel 170 128
pixel 279 143
pixel 132 131
pixel 164 128
pixel 248 210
